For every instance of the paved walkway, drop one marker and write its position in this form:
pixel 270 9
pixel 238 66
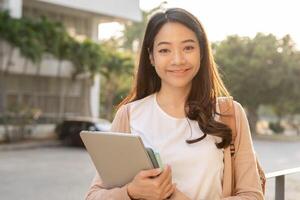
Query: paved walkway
pixel 50 171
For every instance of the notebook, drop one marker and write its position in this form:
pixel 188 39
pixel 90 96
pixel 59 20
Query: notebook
pixel 118 157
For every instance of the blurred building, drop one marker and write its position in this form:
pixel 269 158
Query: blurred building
pixel 49 87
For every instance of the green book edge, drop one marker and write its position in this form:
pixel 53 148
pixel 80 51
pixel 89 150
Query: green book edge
pixel 155 158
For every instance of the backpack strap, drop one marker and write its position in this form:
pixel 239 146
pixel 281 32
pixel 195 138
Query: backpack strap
pixel 228 117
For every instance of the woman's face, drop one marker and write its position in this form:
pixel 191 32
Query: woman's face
pixel 176 55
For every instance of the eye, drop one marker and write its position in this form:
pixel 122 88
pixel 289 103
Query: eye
pixel 164 51
pixel 189 48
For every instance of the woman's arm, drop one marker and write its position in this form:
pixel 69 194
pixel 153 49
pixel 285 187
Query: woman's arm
pixel 98 192
pixel 148 184
pixel 247 180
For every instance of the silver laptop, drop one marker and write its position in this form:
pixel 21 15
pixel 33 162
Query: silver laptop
pixel 118 157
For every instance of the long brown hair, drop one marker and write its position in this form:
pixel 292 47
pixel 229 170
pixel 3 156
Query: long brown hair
pixel 206 85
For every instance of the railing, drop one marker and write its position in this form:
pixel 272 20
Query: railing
pixel 279 180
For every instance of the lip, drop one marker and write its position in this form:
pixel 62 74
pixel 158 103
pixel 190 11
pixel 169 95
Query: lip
pixel 179 71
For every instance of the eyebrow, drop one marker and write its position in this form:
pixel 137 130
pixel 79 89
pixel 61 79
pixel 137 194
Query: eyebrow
pixel 184 41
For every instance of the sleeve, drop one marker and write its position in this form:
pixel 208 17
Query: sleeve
pixel 247 180
pixel 97 191
pixel 178 195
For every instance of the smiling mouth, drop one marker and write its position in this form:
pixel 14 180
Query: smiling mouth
pixel 179 71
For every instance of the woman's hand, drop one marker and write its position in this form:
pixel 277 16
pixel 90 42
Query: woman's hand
pixel 152 184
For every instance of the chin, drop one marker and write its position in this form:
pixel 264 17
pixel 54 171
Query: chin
pixel 180 84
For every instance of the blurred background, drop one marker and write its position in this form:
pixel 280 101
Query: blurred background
pixel 66 64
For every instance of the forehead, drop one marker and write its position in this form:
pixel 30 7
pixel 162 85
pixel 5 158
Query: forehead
pixel 174 32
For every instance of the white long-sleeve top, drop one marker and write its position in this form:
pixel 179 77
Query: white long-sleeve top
pixel 197 168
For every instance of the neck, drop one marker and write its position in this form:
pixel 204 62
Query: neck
pixel 171 97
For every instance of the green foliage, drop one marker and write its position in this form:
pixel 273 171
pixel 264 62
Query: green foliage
pixel 134 31
pixel 36 37
pixel 117 70
pixel 288 88
pixel 247 65
pixel 116 80
pixel 261 71
pixel 116 62
pixel 86 57
pixel 22 33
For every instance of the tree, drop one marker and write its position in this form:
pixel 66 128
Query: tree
pixel 35 37
pixel 288 90
pixel 134 31
pixel 41 36
pixel 253 70
pixel 116 71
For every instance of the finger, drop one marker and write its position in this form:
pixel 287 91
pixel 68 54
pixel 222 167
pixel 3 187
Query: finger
pixel 167 182
pixel 150 173
pixel 166 186
pixel 170 191
pixel 164 175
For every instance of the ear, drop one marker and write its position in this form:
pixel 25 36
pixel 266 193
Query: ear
pixel 151 58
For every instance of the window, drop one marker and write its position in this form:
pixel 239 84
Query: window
pixel 11 101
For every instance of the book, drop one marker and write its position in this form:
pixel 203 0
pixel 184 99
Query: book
pixel 152 157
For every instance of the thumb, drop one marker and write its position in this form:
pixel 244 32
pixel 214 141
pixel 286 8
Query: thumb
pixel 150 173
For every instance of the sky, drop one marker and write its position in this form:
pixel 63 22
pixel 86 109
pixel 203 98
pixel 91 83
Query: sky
pixel 221 18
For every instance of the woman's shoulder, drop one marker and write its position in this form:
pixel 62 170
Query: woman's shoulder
pixel 229 101
pixel 141 103
pixel 127 108
pixel 238 110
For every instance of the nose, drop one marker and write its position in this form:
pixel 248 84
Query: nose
pixel 178 58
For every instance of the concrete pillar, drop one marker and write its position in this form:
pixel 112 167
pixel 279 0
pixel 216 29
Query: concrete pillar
pixel 14 7
pixel 94 29
pixel 95 96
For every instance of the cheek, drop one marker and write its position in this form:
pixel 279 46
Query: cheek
pixel 159 59
pixel 159 71
pixel 195 61
pixel 194 72
pixel 160 64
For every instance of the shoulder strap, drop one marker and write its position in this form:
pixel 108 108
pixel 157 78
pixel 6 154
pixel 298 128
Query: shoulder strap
pixel 227 114
pixel 228 117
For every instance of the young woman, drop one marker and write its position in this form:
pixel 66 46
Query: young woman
pixel 174 107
